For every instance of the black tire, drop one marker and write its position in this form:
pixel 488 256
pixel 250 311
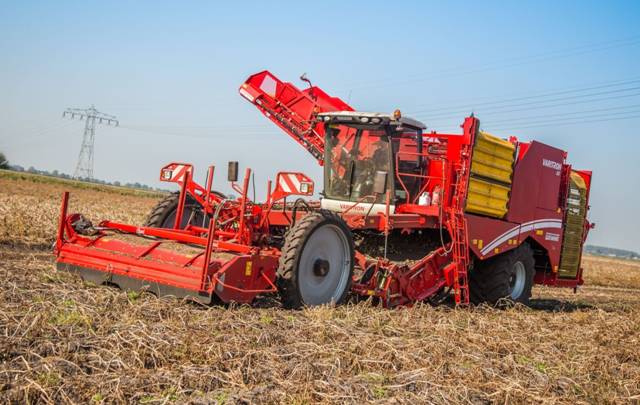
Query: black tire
pixel 164 213
pixel 307 242
pixel 503 279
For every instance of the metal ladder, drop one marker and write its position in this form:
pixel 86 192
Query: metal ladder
pixel 458 230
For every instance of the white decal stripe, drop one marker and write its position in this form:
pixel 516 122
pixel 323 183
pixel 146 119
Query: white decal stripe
pixel 500 240
pixel 294 180
pixel 283 185
pixel 178 173
pixel 504 236
pixel 523 228
pixel 553 224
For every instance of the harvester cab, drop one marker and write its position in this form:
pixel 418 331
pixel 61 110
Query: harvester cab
pixel 364 155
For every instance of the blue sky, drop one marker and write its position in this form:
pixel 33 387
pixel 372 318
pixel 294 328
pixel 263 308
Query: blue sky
pixel 565 73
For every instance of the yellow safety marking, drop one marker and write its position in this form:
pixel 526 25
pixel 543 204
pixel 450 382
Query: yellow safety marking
pixel 247 268
pixel 480 244
pixel 496 250
pixel 475 241
pixel 539 232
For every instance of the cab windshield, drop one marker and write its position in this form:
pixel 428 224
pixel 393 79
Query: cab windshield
pixel 353 156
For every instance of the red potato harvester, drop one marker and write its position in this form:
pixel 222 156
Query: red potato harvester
pixel 405 215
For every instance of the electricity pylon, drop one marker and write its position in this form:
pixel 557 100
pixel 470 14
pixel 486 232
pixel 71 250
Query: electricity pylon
pixel 84 169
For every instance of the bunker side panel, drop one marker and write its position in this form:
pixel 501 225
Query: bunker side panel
pixel 490 236
pixel 536 183
pixel 533 210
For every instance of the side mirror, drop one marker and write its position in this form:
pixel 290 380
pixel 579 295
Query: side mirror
pixel 232 173
pixel 380 182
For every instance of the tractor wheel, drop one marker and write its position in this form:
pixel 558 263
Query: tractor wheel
pixel 163 214
pixel 506 278
pixel 317 261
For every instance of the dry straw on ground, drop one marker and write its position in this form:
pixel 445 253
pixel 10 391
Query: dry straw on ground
pixel 63 341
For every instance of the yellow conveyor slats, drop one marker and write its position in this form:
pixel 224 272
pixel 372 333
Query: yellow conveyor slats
pixel 491 173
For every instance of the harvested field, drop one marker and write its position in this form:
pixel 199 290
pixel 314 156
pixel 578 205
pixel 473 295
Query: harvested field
pixel 30 206
pixel 65 341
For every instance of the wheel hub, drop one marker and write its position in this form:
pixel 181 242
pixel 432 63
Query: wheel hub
pixel 517 280
pixel 324 266
pixel 321 267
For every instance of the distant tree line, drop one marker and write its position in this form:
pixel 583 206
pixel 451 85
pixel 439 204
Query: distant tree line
pixel 4 164
pixel 611 252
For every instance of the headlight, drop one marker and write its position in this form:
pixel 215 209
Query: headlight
pixel 364 120
pixel 375 120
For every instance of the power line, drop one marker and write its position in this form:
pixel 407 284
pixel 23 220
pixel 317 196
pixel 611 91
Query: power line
pixel 539 107
pixel 37 132
pixel 261 129
pixel 564 114
pixel 506 63
pixel 581 89
pixel 589 117
pixel 535 102
pixel 84 168
pixel 237 134
pixel 566 123
pixel 162 127
pixel 562 123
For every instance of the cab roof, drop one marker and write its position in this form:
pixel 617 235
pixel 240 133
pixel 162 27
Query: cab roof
pixel 361 118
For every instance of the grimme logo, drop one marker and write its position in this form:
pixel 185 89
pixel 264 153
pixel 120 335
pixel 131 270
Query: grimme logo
pixel 551 164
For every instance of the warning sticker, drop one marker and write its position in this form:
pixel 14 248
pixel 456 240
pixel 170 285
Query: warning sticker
pixel 554 237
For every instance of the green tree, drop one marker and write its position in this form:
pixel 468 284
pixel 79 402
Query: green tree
pixel 4 163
